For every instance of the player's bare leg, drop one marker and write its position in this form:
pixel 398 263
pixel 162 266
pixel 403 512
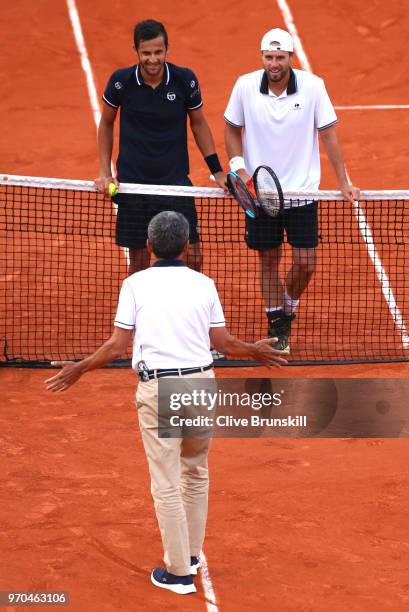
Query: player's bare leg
pixel 139 259
pixel 194 257
pixel 301 272
pixel 297 280
pixel 271 286
pixel 281 304
pixel 273 295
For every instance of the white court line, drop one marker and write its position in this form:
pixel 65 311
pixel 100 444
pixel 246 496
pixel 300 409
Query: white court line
pixel 210 597
pixel 89 75
pixel 363 226
pixel 85 63
pixel 289 22
pixel 92 92
pixel 305 64
pixel 373 107
pixel 382 276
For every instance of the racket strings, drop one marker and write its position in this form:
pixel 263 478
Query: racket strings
pixel 267 189
pixel 269 192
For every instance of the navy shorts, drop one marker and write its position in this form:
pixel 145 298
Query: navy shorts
pixel 135 211
pixel 300 224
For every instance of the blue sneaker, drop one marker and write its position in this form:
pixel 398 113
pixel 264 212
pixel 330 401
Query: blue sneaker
pixel 194 565
pixel 178 584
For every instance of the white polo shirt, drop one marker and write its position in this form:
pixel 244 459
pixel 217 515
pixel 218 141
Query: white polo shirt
pixel 282 131
pixel 171 309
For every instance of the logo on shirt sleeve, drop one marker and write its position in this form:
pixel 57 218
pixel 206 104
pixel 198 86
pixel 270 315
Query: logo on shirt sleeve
pixel 192 84
pixel 195 92
pixel 118 85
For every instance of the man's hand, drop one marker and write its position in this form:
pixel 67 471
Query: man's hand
pixel 263 352
pixel 102 183
pixel 70 373
pixel 243 175
pixel 221 179
pixel 350 192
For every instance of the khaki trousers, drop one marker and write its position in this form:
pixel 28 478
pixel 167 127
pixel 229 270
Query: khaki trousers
pixel 179 481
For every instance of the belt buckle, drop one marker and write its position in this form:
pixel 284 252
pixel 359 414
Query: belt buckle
pixel 142 370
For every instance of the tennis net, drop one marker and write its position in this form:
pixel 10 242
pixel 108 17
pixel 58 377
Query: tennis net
pixel 61 272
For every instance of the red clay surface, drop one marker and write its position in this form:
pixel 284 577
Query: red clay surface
pixel 311 525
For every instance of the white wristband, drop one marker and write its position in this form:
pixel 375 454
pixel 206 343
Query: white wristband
pixel 237 163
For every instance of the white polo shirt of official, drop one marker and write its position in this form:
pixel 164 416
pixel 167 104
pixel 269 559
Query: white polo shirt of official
pixel 282 131
pixel 171 308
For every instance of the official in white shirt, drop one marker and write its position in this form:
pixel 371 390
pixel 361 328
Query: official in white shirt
pixel 274 117
pixel 174 315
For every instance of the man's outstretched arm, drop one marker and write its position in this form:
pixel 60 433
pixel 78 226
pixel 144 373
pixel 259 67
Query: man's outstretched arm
pixel 260 351
pixel 71 371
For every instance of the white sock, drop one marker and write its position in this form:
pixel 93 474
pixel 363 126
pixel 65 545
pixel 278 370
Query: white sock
pixel 273 309
pixel 290 305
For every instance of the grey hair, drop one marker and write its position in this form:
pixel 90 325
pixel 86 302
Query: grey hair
pixel 168 233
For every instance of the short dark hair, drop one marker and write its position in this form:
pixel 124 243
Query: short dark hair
pixel 147 30
pixel 168 233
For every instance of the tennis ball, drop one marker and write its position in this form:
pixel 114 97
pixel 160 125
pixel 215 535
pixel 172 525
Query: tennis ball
pixel 112 189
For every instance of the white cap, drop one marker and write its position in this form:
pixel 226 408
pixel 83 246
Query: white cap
pixel 277 40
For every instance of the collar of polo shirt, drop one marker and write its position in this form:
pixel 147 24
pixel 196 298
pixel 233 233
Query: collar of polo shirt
pixel 291 87
pixel 163 263
pixel 140 81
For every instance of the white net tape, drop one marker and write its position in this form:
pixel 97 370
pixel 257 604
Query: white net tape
pixel 198 192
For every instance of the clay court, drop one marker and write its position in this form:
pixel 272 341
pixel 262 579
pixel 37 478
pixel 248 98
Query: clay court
pixel 294 524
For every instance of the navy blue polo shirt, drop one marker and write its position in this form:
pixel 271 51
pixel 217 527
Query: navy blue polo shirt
pixel 153 124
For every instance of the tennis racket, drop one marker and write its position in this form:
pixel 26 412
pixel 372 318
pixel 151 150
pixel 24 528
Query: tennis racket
pixel 268 190
pixel 241 193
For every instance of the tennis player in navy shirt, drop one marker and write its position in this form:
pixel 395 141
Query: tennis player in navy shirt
pixel 155 98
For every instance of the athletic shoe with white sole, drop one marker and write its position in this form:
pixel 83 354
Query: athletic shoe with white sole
pixel 280 328
pixel 182 585
pixel 194 565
